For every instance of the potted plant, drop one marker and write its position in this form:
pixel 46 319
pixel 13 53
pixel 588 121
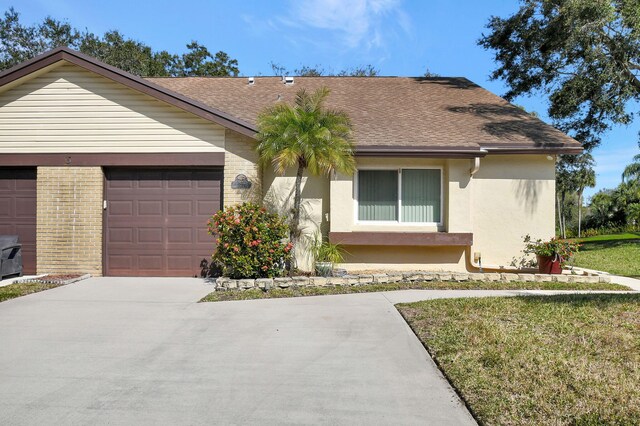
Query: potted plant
pixel 552 255
pixel 325 255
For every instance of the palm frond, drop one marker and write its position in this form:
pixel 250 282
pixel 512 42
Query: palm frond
pixel 306 133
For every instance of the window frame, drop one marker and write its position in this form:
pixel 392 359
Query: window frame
pixel 399 222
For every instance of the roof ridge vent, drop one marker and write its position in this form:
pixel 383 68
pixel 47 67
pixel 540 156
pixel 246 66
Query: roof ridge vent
pixel 251 81
pixel 288 79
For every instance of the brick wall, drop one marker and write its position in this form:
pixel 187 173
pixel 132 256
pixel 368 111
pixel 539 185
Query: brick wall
pixel 69 230
pixel 241 158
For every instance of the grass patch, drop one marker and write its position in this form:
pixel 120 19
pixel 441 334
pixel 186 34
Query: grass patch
pixel 618 254
pixel 12 291
pixel 533 360
pixel 277 293
pixel 610 237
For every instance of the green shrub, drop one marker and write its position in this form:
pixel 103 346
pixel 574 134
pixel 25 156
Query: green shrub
pixel 251 242
pixel 589 233
pixel 608 230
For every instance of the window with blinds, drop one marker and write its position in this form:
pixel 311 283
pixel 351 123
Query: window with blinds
pixel 406 195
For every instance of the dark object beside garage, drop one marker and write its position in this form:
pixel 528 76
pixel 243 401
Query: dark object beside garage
pixel 10 256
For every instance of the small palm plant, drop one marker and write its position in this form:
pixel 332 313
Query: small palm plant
pixel 325 255
pixel 305 136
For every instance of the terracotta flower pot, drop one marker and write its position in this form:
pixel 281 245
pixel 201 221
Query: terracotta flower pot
pixel 549 264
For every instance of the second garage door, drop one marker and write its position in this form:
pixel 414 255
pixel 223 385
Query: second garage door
pixel 155 220
pixel 18 211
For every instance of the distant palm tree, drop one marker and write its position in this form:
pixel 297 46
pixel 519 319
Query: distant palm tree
pixel 632 171
pixel 573 175
pixel 306 136
pixel 584 176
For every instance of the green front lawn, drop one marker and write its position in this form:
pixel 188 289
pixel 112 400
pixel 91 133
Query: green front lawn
pixel 12 291
pixel 618 254
pixel 538 360
pixel 276 293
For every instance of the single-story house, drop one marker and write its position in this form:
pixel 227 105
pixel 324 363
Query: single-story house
pixel 107 173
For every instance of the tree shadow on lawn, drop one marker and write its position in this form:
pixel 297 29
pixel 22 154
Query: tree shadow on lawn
pixel 578 300
pixel 602 244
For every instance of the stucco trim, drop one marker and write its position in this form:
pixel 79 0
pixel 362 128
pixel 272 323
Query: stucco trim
pixel 120 159
pixel 402 238
pixel 133 82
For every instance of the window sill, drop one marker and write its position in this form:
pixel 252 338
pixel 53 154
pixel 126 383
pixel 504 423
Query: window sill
pixel 396 227
pixel 373 238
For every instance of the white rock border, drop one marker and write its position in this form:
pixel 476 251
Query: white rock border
pixel 43 279
pixel 224 283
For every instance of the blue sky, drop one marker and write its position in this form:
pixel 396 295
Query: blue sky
pixel 397 37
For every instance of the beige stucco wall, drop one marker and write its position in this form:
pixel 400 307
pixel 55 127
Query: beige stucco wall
pixel 68 109
pixel 509 197
pixel 278 196
pixel 69 220
pixel 512 196
pixel 404 258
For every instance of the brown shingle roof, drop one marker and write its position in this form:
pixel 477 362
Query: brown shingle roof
pixel 392 112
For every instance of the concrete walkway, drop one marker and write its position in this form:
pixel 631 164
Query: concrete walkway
pixel 142 351
pixel 632 283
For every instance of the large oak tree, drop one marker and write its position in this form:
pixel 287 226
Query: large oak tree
pixel 19 42
pixel 585 54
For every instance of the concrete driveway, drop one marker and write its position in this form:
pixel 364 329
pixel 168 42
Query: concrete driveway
pixel 142 351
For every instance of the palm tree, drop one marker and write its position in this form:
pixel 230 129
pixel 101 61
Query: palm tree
pixel 573 174
pixel 306 136
pixel 583 176
pixel 632 171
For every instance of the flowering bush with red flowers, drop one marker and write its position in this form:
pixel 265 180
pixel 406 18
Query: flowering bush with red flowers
pixel 251 242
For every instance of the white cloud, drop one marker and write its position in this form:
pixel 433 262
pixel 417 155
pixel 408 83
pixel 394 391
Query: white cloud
pixel 356 23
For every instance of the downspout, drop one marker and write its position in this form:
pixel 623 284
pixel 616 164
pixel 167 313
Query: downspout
pixel 475 165
pixel 476 260
pixel 477 264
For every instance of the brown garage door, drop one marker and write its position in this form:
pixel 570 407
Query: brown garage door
pixel 18 211
pixel 155 220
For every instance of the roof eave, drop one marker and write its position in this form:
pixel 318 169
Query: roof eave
pixel 564 149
